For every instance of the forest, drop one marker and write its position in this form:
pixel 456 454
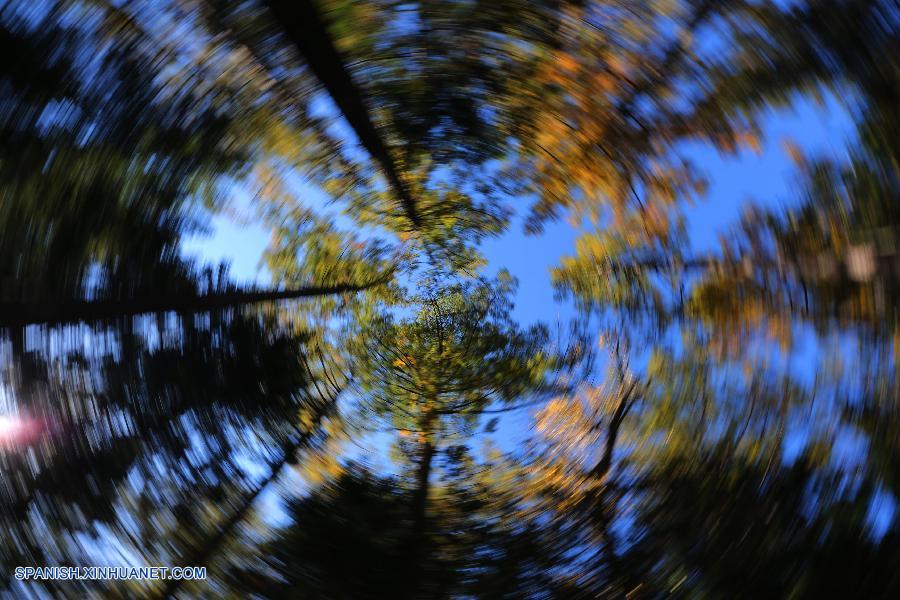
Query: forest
pixel 508 336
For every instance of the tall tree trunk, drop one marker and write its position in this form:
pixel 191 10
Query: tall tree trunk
pixel 419 550
pixel 307 30
pixel 19 314
pixel 201 554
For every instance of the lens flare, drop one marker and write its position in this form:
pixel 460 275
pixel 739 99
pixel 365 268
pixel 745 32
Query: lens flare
pixel 9 426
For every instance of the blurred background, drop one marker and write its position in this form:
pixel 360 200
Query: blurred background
pixel 452 298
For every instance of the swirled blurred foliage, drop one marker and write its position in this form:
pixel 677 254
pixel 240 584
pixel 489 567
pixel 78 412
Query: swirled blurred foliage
pixel 717 422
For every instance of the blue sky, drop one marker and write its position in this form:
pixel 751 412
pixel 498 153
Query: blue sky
pixel 765 178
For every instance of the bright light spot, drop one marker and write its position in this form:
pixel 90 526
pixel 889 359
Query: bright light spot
pixel 9 425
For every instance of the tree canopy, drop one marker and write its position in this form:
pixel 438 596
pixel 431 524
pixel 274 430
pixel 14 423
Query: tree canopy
pixel 376 420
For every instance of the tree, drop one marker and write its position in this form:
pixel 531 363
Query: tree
pixel 173 418
pixel 126 124
pixel 430 378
